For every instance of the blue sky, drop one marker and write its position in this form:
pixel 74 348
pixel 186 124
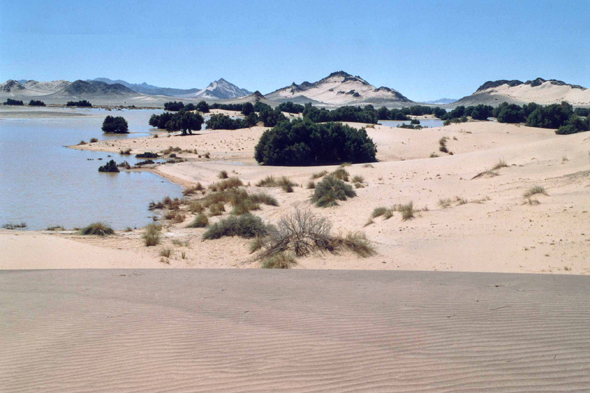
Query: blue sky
pixel 424 49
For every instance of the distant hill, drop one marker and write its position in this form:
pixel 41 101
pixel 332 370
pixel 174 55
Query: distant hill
pixel 441 101
pixel 11 86
pixel 144 88
pixel 84 89
pixel 220 90
pixel 339 88
pixel 539 90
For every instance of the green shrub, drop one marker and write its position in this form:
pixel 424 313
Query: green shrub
pixel 110 166
pixel 246 226
pixel 407 211
pixel 329 191
pixel 115 125
pixel 264 198
pixel 303 142
pixel 310 185
pixel 98 229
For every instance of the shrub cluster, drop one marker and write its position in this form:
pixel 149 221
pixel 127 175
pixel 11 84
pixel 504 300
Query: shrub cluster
pixel 82 103
pixel 330 190
pixel 10 101
pixel 110 166
pixel 183 120
pixel 303 142
pixel 247 226
pixel 115 125
pixel 36 103
pixel 97 229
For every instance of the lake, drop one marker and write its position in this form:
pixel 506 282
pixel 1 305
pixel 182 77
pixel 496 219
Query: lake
pixel 44 183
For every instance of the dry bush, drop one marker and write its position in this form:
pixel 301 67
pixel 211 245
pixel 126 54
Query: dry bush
pixel 302 233
pixel 486 173
pixel 178 218
pixel 222 175
pixel 256 244
pixel 279 261
pixel 200 221
pixel 330 190
pixel 268 181
pixel 310 185
pixel 97 229
pixel 151 235
pixel 358 179
pixel 169 203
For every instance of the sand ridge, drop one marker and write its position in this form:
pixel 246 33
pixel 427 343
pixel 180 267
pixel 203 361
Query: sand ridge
pixel 304 331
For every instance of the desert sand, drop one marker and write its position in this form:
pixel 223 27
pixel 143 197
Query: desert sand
pixel 488 226
pixel 304 331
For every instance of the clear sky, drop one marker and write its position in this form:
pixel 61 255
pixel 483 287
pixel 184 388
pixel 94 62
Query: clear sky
pixel 424 49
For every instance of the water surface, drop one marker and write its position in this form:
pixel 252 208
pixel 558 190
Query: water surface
pixel 43 183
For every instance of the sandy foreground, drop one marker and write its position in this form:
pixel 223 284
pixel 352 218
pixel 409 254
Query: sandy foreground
pixel 489 228
pixel 305 331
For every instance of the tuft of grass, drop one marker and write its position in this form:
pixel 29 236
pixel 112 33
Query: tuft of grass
pixel 223 175
pixel 501 164
pixel 486 173
pixel 345 164
pixel 246 226
pixel 151 235
pixel 534 191
pixel 256 244
pixel 166 252
pixel 268 181
pixel 368 166
pixel 263 198
pixel 331 190
pixel 200 221
pixel 97 229
pixel 310 185
pixel 244 206
pixel 288 188
pixel 317 175
pixel 58 228
pixel 433 155
pixel 379 211
pixel 358 179
pixel 340 174
pixel 407 211
pixel 279 261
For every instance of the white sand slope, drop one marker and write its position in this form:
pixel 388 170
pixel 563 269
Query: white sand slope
pixel 297 331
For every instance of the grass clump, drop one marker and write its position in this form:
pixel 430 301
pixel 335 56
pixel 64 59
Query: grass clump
pixel 340 174
pixel 311 185
pixel 232 182
pixel 223 175
pixel 284 182
pixel 486 173
pixel 151 236
pixel 97 229
pixel 358 179
pixel 443 144
pixel 501 164
pixel 246 226
pixel 268 181
pixel 263 198
pixel 358 243
pixel 534 191
pixel 407 211
pixel 317 175
pixel 195 207
pixel 168 203
pixel 166 252
pixel 193 190
pixel 216 209
pixel 331 190
pixel 279 261
pixel 256 244
pixel 200 221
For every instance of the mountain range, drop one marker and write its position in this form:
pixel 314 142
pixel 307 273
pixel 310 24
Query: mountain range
pixel 337 89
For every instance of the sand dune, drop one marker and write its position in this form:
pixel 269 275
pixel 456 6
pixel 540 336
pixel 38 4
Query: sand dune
pixel 304 331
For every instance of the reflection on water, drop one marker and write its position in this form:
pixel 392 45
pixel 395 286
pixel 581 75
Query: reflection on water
pixel 43 183
pixel 430 123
